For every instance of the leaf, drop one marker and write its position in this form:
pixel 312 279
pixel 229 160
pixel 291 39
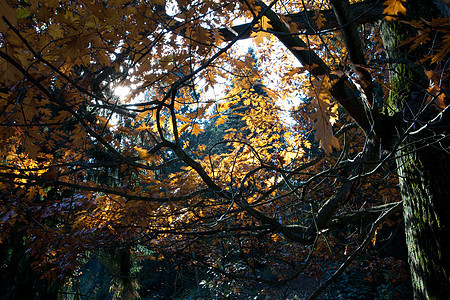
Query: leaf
pixel 319 19
pixel 436 95
pixel 258 37
pixel 307 144
pixel 374 239
pixel 9 75
pixel 221 120
pixel 443 51
pixel 196 130
pixel 23 13
pixel 325 116
pixel 393 8
pixel 183 128
pixel 291 26
pixel 143 153
pixel 55 31
pixel 103 121
pixel 9 13
pixel 259 34
pixel 183 118
pixel 264 23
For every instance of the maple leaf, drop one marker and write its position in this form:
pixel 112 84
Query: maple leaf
pixel 393 8
pixel 55 31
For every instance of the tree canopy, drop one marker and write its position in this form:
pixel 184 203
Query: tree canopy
pixel 257 140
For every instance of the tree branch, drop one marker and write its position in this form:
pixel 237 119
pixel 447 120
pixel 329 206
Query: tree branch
pixel 363 12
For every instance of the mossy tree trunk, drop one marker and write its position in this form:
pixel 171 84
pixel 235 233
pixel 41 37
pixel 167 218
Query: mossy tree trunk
pixel 423 158
pixel 424 180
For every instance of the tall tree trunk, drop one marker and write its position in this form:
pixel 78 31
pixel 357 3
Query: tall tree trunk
pixel 119 262
pixel 424 181
pixel 422 159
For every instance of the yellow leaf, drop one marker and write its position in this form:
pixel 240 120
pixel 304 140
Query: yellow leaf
pixel 183 118
pixel 143 154
pixel 196 130
pixel 260 34
pixel 220 121
pixel 393 8
pixel 265 23
pixel 103 121
pixel 183 128
pixel 307 144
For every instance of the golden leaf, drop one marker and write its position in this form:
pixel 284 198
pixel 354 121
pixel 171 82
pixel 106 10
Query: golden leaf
pixel 393 8
pixel 143 154
pixel 260 33
pixel 221 120
pixel 183 128
pixel 196 130
pixel 183 118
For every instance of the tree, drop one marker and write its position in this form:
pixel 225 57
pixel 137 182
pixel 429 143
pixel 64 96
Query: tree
pixel 82 167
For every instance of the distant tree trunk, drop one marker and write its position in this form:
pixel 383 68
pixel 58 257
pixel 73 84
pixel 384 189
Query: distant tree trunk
pixel 423 159
pixel 119 262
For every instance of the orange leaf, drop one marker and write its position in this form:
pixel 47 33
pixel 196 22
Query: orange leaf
pixel 196 130
pixel 325 116
pixel 143 154
pixel 393 8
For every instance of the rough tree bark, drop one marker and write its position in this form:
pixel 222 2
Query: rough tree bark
pixel 422 159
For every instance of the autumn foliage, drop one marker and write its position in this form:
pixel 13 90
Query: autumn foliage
pixel 259 164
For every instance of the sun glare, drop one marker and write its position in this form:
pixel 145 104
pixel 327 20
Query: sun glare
pixel 122 91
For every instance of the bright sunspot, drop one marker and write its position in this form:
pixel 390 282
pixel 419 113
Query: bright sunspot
pixel 122 91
